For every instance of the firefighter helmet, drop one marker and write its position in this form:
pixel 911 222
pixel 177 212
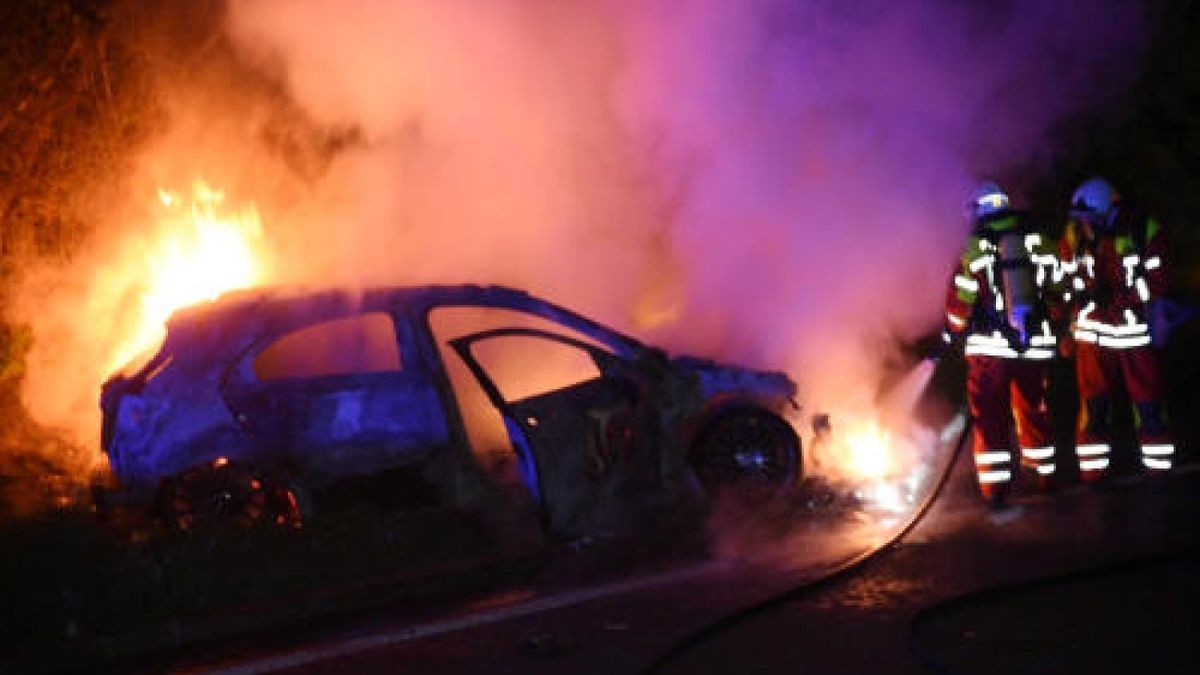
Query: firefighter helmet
pixel 986 200
pixel 1094 201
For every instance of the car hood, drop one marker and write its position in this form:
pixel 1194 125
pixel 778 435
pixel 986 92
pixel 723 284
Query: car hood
pixel 717 379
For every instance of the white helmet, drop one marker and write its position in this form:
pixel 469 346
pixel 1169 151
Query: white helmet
pixel 1093 200
pixel 986 200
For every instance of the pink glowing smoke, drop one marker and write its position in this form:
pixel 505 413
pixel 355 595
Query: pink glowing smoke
pixel 769 181
pixel 772 182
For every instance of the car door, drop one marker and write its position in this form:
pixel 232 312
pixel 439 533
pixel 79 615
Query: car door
pixel 333 399
pixel 583 438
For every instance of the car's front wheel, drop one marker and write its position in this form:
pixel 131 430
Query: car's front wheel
pixel 748 451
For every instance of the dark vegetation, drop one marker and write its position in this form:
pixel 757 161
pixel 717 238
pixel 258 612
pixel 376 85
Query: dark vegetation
pixel 85 84
pixel 1147 142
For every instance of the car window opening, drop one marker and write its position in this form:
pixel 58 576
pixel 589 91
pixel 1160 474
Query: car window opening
pixel 355 345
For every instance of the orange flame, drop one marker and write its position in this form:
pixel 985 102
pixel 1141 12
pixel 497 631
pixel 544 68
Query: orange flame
pixel 869 453
pixel 201 250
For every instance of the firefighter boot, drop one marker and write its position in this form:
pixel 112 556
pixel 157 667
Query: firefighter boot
pixel 995 495
pixel 1154 438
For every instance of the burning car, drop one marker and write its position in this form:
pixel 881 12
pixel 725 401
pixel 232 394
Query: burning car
pixel 266 400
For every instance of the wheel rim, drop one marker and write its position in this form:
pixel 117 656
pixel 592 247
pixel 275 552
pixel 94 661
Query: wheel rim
pixel 747 452
pixel 228 492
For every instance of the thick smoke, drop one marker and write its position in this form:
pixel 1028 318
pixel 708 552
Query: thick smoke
pixel 772 182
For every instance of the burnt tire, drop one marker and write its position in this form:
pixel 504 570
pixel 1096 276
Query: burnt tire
pixel 749 452
pixel 227 493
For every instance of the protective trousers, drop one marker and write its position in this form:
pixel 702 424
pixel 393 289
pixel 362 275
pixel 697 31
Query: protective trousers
pixel 1103 372
pixel 1001 391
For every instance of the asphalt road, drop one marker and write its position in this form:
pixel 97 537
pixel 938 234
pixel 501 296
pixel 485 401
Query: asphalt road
pixel 597 608
pixel 1076 582
pixel 966 590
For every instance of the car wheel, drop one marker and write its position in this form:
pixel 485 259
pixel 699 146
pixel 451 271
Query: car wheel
pixel 227 492
pixel 749 451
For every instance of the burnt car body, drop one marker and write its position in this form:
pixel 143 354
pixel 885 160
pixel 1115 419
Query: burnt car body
pixel 326 388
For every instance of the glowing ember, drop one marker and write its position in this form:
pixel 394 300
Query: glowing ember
pixel 201 250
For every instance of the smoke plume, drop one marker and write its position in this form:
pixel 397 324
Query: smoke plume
pixel 772 182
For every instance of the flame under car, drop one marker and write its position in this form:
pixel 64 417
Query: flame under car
pixel 265 401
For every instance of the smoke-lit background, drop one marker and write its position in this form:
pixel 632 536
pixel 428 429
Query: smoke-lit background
pixel 770 182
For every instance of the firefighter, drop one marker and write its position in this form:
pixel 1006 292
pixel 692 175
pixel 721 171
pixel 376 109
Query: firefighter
pixel 996 310
pixel 1114 258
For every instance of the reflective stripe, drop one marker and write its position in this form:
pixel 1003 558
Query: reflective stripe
pixel 998 345
pixel 1124 342
pixel 966 283
pixel 1143 290
pixel 1159 449
pixel 1046 469
pixel 1009 353
pixel 1001 352
pixel 1130 262
pixel 1159 464
pixel 1038 453
pixel 992 457
pixel 1132 327
pixel 980 263
pixel 957 321
pixel 1032 240
pixel 1045 339
pixel 1078 284
pixel 995 476
pixel 1092 450
pixel 991 345
pixel 1093 464
pixel 1132 334
pixel 1153 263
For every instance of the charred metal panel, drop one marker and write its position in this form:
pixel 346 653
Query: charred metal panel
pixel 177 420
pixel 716 380
pixel 355 430
pixel 600 455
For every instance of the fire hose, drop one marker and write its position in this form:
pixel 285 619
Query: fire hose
pixel 842 571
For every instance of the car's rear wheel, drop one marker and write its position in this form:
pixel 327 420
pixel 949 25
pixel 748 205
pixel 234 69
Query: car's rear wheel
pixel 227 492
pixel 750 452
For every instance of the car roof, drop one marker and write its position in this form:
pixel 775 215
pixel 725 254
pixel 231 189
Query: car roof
pixel 272 305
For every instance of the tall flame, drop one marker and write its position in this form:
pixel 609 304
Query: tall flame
pixel 201 249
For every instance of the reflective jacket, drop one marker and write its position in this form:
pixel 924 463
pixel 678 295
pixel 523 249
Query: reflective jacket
pixel 977 302
pixel 1112 276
